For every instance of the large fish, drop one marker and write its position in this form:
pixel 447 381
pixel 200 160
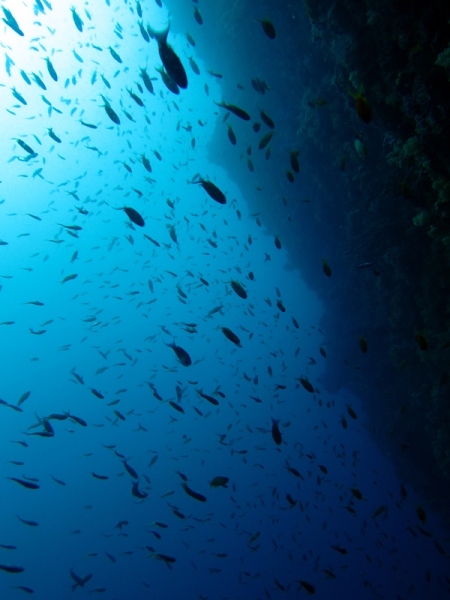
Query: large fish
pixel 169 58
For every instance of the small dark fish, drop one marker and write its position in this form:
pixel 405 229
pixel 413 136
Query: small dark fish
pixel 58 481
pixel 25 395
pixel 153 460
pixel 53 135
pixel 439 548
pixel 339 549
pixel 143 31
pixel 231 135
pixel 88 125
pixel 307 384
pixel 326 268
pixel 136 492
pixel 356 493
pixel 110 111
pixel 276 433
pixel 219 481
pixel 194 66
pixel 39 81
pixel 72 227
pixel 164 557
pixel 97 394
pixel 12 23
pixel 51 69
pixel 295 165
pixel 231 336
pixel 146 163
pixel 152 240
pixel 136 98
pixel 19 97
pixel 422 341
pixel 197 16
pixel 173 234
pixel 111 557
pixel 26 484
pixel 77 20
pixel 268 29
pixel 119 415
pixel 290 176
pixel 212 190
pixel 421 514
pixel 238 289
pixel 294 471
pixel 11 568
pixel 176 406
pixel 114 54
pixel 182 475
pixel 168 81
pixel 256 399
pixel 239 112
pixel 307 586
pixel 210 399
pixel 266 119
pixel 363 344
pixel 26 522
pixel 291 500
pixel 58 417
pixel 182 355
pixel 25 77
pixel 281 305
pixel 133 215
pixel 130 470
pixel 26 147
pixel 147 81
pixel 78 420
pixel 79 581
pixel 351 412
pixel 379 511
pixel 265 140
pixel 101 477
pixel 190 492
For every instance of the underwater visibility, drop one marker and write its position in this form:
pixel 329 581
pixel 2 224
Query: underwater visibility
pixel 224 299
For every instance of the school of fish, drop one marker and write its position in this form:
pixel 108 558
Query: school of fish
pixel 182 412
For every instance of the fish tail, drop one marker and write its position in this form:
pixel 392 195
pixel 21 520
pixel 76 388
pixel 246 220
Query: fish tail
pixel 160 36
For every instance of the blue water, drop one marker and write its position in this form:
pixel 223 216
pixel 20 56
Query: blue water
pixel 111 326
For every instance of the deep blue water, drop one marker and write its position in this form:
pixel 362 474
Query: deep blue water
pixel 107 331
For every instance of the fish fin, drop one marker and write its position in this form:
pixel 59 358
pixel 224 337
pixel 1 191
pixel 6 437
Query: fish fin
pixel 160 36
